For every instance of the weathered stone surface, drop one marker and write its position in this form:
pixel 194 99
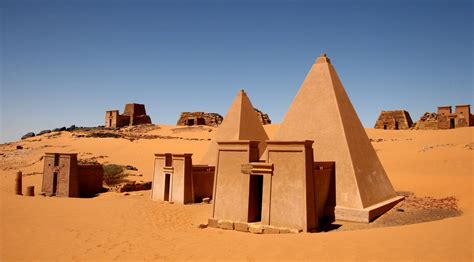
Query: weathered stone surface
pixel 270 230
pixel 427 121
pixel 264 118
pixel 28 135
pixel 255 229
pixel 295 231
pixel 131 186
pixel 63 176
pixel 241 226
pixel 134 114
pixel 394 120
pixel 226 224
pixel 211 222
pixel 199 118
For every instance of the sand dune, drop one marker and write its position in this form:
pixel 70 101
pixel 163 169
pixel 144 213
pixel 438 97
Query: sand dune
pixel 113 226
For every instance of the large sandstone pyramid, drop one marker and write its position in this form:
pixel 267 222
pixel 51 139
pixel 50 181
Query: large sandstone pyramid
pixel 240 123
pixel 322 111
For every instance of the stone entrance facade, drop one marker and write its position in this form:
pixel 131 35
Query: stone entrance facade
pixel 288 190
pixel 177 180
pixel 394 120
pixel 134 114
pixel 63 176
pixel 462 117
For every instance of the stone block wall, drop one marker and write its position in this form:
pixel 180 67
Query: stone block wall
pixel 199 118
pixel 394 120
pixel 134 114
pixel 62 176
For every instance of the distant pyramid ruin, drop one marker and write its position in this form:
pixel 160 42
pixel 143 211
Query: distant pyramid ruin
pixel 240 123
pixel 363 190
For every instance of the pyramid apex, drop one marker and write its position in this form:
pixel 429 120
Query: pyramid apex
pixel 323 59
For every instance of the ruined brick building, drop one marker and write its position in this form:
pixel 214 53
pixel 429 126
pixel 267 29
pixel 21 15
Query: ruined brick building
pixel 462 117
pixel 394 120
pixel 134 114
pixel 199 118
pixel 63 176
pixel 212 119
pixel 428 121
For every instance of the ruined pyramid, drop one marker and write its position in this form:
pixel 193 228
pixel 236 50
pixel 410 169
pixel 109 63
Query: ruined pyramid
pixel 240 123
pixel 322 111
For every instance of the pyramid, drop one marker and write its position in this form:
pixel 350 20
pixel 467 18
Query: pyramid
pixel 322 111
pixel 240 123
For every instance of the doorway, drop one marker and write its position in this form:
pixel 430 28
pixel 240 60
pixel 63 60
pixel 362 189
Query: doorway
pixel 385 127
pixel 396 125
pixel 255 198
pixel 190 122
pixel 167 187
pixel 55 183
pixel 451 123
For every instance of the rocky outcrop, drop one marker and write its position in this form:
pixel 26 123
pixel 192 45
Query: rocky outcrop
pixel 28 135
pixel 199 118
pixel 427 121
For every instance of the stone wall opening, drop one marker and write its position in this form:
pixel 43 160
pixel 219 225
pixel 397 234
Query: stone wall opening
pixel 255 198
pixel 167 187
pixel 55 182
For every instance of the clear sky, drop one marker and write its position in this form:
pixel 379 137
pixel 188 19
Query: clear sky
pixel 67 62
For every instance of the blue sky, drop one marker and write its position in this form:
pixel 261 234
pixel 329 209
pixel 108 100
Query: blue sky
pixel 67 62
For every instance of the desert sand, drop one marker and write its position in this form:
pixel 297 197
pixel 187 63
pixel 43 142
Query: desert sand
pixel 435 163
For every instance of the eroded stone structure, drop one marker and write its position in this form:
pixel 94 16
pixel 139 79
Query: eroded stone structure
pixel 212 119
pixel 264 118
pixel 462 117
pixel 199 118
pixel 428 121
pixel 177 180
pixel 134 114
pixel 394 120
pixel 63 176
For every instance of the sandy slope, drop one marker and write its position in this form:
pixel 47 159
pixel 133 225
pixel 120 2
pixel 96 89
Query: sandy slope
pixel 113 226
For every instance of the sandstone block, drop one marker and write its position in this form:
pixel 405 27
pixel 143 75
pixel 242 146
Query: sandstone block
pixel 226 224
pixel 270 230
pixel 256 229
pixel 241 226
pixel 212 222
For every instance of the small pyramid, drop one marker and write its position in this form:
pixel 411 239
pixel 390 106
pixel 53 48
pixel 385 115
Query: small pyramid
pixel 240 123
pixel 322 111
